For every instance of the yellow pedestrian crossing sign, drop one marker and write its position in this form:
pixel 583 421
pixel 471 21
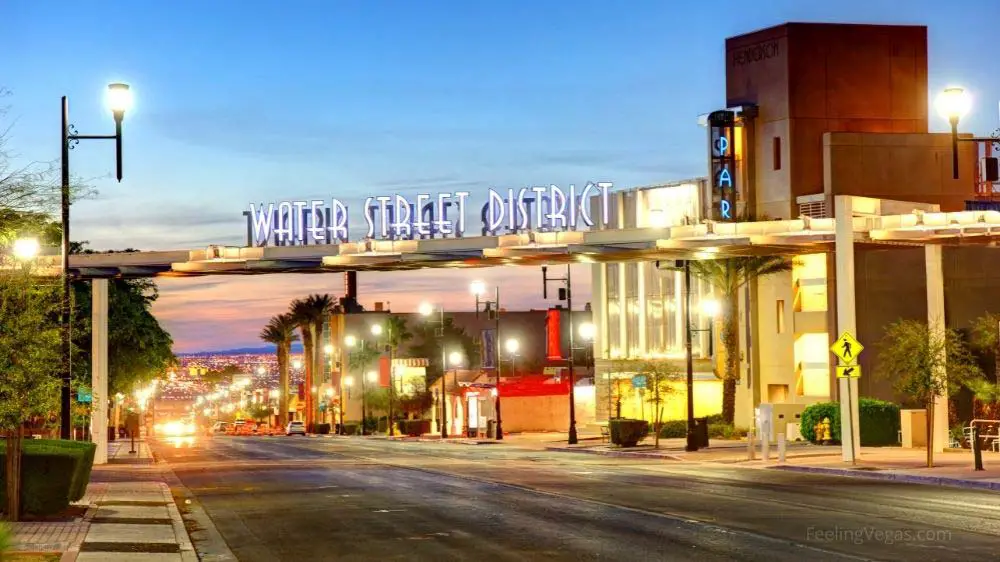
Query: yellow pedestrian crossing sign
pixel 847 348
pixel 848 371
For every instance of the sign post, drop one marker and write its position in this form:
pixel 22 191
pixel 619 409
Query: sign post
pixel 847 349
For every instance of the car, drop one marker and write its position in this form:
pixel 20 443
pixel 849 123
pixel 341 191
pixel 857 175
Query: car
pixel 220 427
pixel 295 427
pixel 177 428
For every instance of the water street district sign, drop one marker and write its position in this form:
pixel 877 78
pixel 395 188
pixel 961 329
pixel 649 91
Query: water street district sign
pixel 848 371
pixel 84 395
pixel 847 348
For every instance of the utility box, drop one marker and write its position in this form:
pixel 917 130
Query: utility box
pixel 776 418
pixel 913 428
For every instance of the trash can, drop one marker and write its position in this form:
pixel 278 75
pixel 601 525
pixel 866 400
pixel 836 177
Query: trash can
pixel 701 432
pixel 491 429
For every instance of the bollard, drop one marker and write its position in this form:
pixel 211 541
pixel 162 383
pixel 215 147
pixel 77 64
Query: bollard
pixel 765 448
pixel 977 452
pixel 781 448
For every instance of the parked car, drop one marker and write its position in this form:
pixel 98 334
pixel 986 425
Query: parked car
pixel 295 427
pixel 221 427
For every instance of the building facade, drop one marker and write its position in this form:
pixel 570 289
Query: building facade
pixel 814 111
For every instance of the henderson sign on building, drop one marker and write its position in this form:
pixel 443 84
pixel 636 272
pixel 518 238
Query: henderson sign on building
pixel 441 215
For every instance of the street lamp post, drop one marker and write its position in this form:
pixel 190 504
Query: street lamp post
pixel 479 289
pixel 456 359
pixel 952 104
pixel 427 310
pixel 377 332
pixel 566 293
pixel 119 100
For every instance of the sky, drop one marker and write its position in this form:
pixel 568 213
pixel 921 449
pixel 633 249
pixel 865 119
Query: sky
pixel 245 100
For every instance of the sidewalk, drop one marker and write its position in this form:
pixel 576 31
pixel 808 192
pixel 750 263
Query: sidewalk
pixel 128 513
pixel 951 468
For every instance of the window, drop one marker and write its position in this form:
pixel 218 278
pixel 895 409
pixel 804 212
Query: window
pixel 780 320
pixel 776 147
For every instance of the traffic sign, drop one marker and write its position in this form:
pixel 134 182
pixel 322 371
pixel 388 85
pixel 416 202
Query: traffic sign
pixel 847 348
pixel 848 371
pixel 84 395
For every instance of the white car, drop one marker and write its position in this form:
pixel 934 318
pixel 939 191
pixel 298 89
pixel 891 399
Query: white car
pixel 295 427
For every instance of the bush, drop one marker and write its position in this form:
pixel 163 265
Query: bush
pixel 673 429
pixel 414 428
pixel 627 433
pixel 323 428
pixel 82 450
pixel 6 538
pixel 725 431
pixel 46 479
pixel 352 428
pixel 879 421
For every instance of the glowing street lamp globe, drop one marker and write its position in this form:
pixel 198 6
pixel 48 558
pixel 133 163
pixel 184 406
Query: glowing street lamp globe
pixel 711 308
pixel 425 309
pixel 587 331
pixel 455 358
pixel 328 349
pixel 119 98
pixel 297 364
pixel 26 248
pixel 350 341
pixel 512 345
pixel 478 288
pixel 376 329
pixel 953 103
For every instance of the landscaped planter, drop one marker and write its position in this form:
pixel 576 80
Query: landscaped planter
pixel 627 433
pixel 414 428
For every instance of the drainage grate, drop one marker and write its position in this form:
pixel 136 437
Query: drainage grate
pixel 151 547
pixel 133 520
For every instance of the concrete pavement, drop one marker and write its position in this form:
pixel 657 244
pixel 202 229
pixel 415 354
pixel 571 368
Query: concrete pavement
pixel 352 498
pixel 128 513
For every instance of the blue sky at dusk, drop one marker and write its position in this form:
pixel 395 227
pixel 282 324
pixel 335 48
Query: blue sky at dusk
pixel 239 101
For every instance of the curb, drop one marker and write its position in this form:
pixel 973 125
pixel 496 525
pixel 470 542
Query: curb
pixel 214 547
pixel 623 454
pixel 895 477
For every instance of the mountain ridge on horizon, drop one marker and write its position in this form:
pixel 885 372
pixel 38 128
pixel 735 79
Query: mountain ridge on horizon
pixel 296 348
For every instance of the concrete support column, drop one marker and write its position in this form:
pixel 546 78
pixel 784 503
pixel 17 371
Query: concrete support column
pixel 936 324
pixel 846 322
pixel 641 313
pixel 99 368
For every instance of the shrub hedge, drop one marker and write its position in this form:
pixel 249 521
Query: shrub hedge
pixel 323 428
pixel 626 432
pixel 879 421
pixel 352 428
pixel 414 428
pixel 54 472
pixel 677 429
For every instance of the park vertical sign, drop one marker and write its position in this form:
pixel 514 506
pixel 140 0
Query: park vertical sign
pixel 722 158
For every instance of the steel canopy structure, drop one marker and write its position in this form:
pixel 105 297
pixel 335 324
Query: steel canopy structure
pixel 858 220
pixel 710 240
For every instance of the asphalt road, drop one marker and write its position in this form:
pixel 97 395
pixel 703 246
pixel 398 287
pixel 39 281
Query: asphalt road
pixel 328 498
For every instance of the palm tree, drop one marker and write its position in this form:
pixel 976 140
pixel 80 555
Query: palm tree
pixel 309 314
pixel 280 331
pixel 727 276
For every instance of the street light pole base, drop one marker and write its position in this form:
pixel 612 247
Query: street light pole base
pixel 573 439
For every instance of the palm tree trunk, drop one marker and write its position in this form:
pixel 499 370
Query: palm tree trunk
pixel 317 358
pixel 13 470
pixel 730 339
pixel 307 350
pixel 283 351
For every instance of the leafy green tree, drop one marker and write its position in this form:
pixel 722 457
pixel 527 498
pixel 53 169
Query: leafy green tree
pixel 280 331
pixel 430 342
pixel 139 349
pixel 259 412
pixel 727 277
pixel 924 363
pixel 29 361
pixel 659 376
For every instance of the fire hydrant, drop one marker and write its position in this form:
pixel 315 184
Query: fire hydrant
pixel 822 430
